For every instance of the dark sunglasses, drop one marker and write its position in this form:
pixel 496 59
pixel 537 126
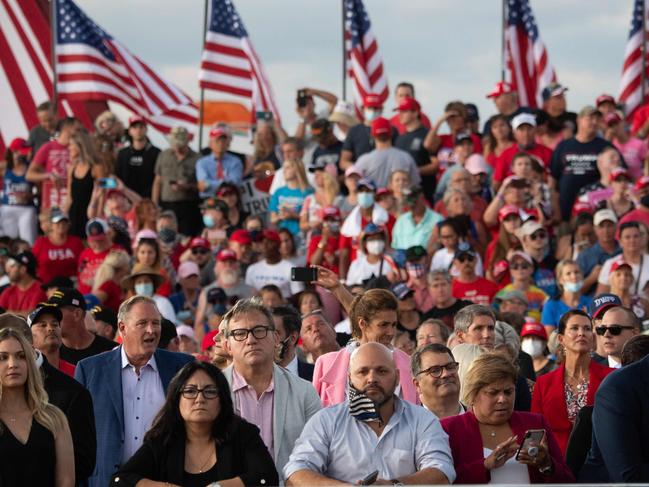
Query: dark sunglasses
pixel 614 330
pixel 519 266
pixel 199 251
pixel 539 235
pixel 466 257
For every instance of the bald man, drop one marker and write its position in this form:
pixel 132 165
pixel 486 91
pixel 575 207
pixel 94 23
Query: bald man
pixel 372 431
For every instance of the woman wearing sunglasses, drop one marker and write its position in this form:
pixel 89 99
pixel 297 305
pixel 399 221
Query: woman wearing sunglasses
pixel 560 394
pixel 521 271
pixel 197 439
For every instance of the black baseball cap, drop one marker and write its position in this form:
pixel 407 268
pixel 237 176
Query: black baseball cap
pixel 28 260
pixel 107 315
pixel 464 249
pixel 415 253
pixel 67 296
pixel 601 303
pixel 41 309
pixel 58 281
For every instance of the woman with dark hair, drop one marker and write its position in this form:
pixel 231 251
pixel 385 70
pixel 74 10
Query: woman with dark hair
pixel 308 301
pixel 230 193
pixel 560 394
pixel 499 138
pixel 581 238
pixel 509 218
pixel 197 439
pixel 147 253
pixel 288 249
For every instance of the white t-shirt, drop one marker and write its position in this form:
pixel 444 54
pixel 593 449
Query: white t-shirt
pixel 360 269
pixel 262 273
pixel 166 308
pixel 643 273
pixel 442 259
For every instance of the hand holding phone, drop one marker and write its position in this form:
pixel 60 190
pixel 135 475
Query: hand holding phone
pixel 304 274
pixel 108 183
pixel 531 443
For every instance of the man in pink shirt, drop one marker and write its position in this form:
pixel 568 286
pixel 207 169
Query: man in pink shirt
pixel 50 165
pixel 278 402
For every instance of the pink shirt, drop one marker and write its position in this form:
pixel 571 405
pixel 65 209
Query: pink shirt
pixel 255 410
pixel 634 153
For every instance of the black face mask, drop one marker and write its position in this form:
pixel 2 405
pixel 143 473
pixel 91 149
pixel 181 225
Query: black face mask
pixel 283 347
pixel 644 201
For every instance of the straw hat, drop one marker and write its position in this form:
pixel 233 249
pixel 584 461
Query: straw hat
pixel 142 270
pixel 344 112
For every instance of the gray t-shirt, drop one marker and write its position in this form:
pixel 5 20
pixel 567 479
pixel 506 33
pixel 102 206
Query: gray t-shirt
pixel 379 164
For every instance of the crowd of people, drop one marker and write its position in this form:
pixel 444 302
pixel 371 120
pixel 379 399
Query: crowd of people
pixel 416 301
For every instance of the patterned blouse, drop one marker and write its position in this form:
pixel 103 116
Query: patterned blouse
pixel 575 401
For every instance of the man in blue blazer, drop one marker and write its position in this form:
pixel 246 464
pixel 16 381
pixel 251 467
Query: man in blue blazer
pixel 620 448
pixel 128 385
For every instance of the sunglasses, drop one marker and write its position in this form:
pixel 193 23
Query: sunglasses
pixel 519 266
pixel 466 257
pixel 539 235
pixel 614 330
pixel 199 251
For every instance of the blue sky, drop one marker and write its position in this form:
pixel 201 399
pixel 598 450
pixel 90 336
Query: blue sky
pixel 450 49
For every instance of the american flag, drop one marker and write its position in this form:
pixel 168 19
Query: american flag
pixel 365 66
pixel 230 63
pixel 91 64
pixel 527 59
pixel 631 83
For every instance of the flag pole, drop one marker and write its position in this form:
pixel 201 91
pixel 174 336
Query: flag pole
pixel 643 48
pixel 502 41
pixel 202 100
pixel 53 56
pixel 342 3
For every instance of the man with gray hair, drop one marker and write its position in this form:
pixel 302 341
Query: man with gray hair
pixel 278 402
pixel 128 385
pixel 220 166
pixel 318 336
pixel 372 431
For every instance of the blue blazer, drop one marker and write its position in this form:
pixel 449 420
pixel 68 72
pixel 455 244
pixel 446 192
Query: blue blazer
pixel 102 376
pixel 619 450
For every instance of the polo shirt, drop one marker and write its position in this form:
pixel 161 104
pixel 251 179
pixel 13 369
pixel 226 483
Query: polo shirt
pixel 406 233
pixel 171 169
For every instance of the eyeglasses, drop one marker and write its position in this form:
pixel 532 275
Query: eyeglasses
pixel 209 392
pixel 519 266
pixel 259 332
pixel 436 370
pixel 614 330
pixel 446 237
pixel 466 257
pixel 539 236
pixel 199 251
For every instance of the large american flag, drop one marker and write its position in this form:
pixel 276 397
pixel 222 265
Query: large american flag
pixel 91 64
pixel 230 63
pixel 631 83
pixel 527 59
pixel 365 66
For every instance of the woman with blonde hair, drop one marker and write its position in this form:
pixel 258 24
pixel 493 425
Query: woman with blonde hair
pixel 327 193
pixel 115 267
pixel 570 283
pixel 35 438
pixel 286 202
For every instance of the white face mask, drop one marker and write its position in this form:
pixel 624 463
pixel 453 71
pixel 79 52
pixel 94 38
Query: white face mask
pixel 573 287
pixel 375 247
pixel 533 347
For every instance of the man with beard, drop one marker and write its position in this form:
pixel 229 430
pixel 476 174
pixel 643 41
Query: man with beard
pixel 45 323
pixel 341 443
pixel 136 163
pixel 435 375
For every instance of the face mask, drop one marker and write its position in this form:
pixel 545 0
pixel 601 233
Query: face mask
pixel 362 407
pixel 365 200
pixel 533 347
pixel 370 114
pixel 415 270
pixel 208 221
pixel 644 201
pixel 375 247
pixel 573 287
pixel 144 289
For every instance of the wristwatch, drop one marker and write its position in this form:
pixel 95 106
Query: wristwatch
pixel 396 482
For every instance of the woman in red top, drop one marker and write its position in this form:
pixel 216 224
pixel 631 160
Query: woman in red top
pixel 115 267
pixel 147 253
pixel 560 394
pixel 510 220
pixel 499 138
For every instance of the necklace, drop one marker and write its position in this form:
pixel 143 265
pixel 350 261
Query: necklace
pixel 202 467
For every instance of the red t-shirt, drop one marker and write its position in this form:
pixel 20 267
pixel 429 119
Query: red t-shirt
pixel 15 299
pixel 448 141
pixel 352 243
pixel 54 158
pixel 330 257
pixel 113 295
pixel 639 119
pixel 89 262
pixel 394 121
pixel 67 368
pixel 57 260
pixel 480 291
pixel 504 161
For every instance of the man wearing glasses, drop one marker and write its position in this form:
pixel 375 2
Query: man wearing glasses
pixel 434 373
pixel 618 325
pixel 536 243
pixel 278 402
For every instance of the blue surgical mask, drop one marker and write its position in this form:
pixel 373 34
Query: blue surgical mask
pixel 208 221
pixel 371 114
pixel 365 200
pixel 573 287
pixel 144 289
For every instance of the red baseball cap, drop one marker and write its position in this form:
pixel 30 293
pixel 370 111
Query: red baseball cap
pixel 372 100
pixel 642 183
pixel 620 263
pixel 208 339
pixel 20 145
pixel 217 132
pixel 329 212
pixel 241 236
pixel 382 192
pixel 381 126
pixel 136 119
pixel 408 104
pixel 271 235
pixel 618 172
pixel 604 98
pixel 534 329
pixel 199 243
pixel 501 88
pixel 226 254
pixel 582 207
pixel 508 210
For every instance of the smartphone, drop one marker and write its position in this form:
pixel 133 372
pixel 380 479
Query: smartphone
pixel 532 437
pixel 108 183
pixel 304 274
pixel 302 98
pixel 370 479
pixel 265 116
pixel 519 183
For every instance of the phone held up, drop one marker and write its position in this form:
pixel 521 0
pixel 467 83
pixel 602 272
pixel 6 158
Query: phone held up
pixel 302 98
pixel 531 442
pixel 108 183
pixel 304 274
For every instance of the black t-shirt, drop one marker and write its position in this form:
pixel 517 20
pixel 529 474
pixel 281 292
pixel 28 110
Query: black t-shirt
pixel 447 315
pixel 558 123
pixel 510 117
pixel 359 140
pixel 327 155
pixel 574 165
pixel 98 345
pixel 135 168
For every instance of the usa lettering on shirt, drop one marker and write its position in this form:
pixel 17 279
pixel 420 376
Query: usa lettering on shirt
pixel 60 254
